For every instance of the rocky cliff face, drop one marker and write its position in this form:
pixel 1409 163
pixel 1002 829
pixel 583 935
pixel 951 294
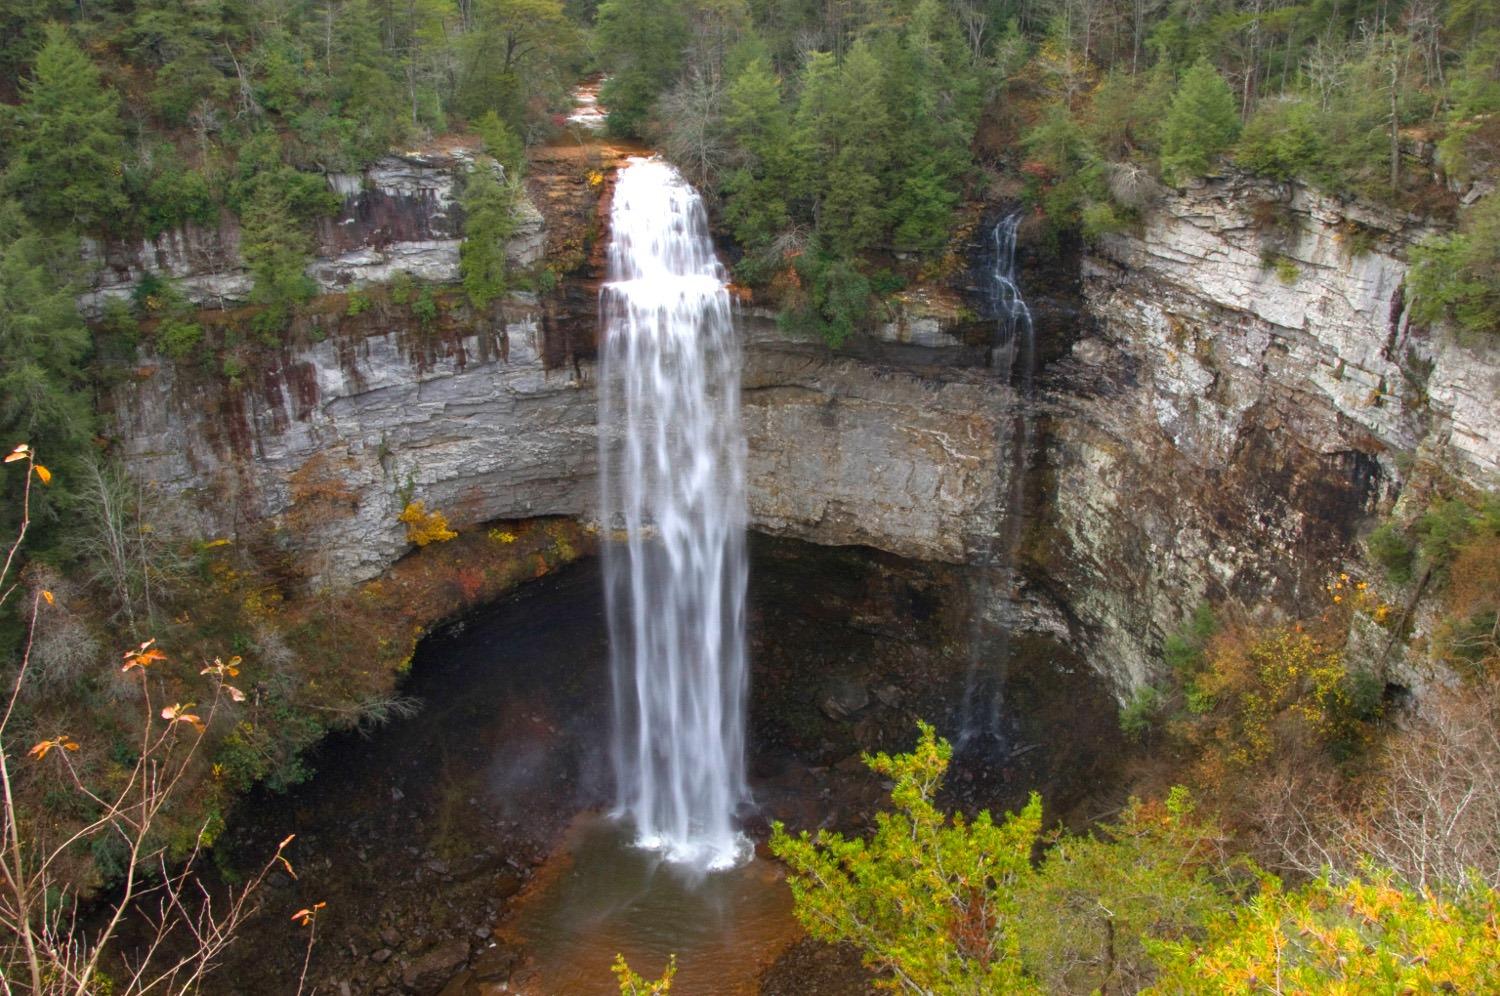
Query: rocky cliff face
pixel 1253 391
pixel 1239 393
pixel 842 451
pixel 473 425
pixel 401 213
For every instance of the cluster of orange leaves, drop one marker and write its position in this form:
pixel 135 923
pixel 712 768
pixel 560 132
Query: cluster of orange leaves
pixel 24 452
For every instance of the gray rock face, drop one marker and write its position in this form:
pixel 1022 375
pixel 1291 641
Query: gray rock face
pixel 1243 407
pixel 845 451
pixel 480 432
pixel 841 451
pixel 400 214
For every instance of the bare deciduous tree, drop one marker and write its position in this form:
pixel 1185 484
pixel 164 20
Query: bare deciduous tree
pixel 179 928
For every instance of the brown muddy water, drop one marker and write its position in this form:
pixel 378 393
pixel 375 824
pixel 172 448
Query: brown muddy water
pixel 465 850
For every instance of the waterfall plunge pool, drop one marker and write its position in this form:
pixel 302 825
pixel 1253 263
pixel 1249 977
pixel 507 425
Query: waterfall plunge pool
pixel 459 847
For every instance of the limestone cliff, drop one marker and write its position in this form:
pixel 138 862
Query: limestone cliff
pixel 401 213
pixel 1227 396
pixel 841 450
pixel 1254 390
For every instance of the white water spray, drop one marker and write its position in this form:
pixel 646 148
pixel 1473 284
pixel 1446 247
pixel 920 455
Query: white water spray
pixel 672 470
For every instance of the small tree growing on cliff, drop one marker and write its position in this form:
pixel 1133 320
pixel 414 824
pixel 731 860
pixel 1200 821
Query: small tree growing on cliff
pixel 1202 122
pixel 490 220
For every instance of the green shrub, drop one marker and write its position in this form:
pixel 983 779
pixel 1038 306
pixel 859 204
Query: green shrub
pixel 179 340
pixel 1282 140
pixel 402 288
pixel 1183 650
pixel 835 300
pixel 359 302
pixel 425 307
pixel 176 197
pixel 1390 547
pixel 1142 712
pixel 1449 524
pixel 1458 276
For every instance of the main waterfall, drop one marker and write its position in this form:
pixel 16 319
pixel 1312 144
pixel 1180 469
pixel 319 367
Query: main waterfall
pixel 673 496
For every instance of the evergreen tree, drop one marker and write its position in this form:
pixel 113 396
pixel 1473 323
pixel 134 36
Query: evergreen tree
pixel 180 43
pixel 69 148
pixel 513 54
pixel 842 123
pixel 363 85
pixel 1458 276
pixel 758 189
pixel 502 143
pixel 1202 122
pixel 489 222
pixel 45 398
pixel 643 43
pixel 276 249
pixel 933 102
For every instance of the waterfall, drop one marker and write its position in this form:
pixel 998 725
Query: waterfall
pixel 1013 356
pixel 672 470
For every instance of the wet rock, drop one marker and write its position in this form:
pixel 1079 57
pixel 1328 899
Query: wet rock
pixel 432 970
pixel 391 936
pixel 842 698
pixel 889 696
pixel 460 985
pixel 495 963
pixel 382 956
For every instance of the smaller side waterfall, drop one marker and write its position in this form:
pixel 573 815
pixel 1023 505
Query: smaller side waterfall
pixel 1013 356
pixel 672 471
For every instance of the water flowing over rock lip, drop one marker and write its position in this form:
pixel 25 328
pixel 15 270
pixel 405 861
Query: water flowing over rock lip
pixel 672 473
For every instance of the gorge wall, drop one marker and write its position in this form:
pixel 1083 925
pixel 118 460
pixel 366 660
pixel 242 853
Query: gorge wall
pixel 1251 392
pixel 1241 393
pixel 842 451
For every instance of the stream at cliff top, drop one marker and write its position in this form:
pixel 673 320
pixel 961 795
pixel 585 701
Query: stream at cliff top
pixel 450 846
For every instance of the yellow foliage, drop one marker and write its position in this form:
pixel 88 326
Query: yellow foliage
pixel 1370 936
pixel 502 536
pixel 423 527
pixel 1260 687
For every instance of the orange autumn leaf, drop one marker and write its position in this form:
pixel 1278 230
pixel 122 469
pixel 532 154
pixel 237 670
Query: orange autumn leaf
pixel 178 714
pixel 306 915
pixel 48 596
pixel 21 452
pixel 142 656
pixel 44 748
pixel 222 668
pixel 43 473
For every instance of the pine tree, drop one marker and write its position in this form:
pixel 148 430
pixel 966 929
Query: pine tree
pixel 843 123
pixel 489 221
pixel 1202 122
pixel 45 398
pixel 69 147
pixel 643 43
pixel 758 189
pixel 933 100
